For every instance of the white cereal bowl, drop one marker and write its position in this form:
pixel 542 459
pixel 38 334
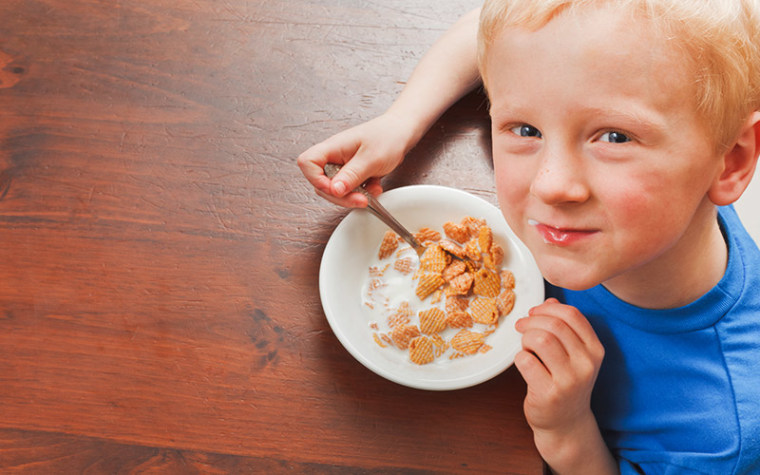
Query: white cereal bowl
pixel 354 244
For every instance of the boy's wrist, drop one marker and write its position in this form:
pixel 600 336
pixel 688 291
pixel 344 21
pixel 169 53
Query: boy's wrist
pixel 579 449
pixel 411 126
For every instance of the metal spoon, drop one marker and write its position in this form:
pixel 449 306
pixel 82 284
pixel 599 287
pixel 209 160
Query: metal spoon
pixel 331 169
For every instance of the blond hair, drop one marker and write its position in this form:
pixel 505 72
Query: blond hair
pixel 721 39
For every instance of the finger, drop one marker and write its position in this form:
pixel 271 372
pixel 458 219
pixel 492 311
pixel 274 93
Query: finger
pixel 549 349
pixel 352 175
pixel 355 199
pixel 533 371
pixel 558 327
pixel 337 149
pixel 313 172
pixel 571 316
pixel 546 303
pixel 578 367
pixel 351 200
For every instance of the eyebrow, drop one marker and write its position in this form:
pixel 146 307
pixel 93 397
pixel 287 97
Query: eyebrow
pixel 497 115
pixel 648 123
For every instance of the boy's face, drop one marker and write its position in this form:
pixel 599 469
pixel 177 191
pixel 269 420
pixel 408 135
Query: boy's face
pixel 601 163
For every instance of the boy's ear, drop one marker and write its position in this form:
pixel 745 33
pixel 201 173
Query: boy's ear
pixel 738 164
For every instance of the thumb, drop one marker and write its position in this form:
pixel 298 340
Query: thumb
pixel 350 177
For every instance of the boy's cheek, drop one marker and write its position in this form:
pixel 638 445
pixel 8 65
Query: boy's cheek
pixel 512 189
pixel 512 202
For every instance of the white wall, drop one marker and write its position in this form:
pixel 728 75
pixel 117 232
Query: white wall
pixel 748 207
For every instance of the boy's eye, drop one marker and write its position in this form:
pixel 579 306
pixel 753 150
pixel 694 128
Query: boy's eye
pixel 614 137
pixel 526 130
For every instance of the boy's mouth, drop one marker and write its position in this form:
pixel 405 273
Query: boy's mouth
pixel 560 236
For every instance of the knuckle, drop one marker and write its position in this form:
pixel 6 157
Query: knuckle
pixel 542 338
pixel 303 162
pixel 555 395
pixel 574 316
pixel 308 156
pixel 586 371
pixel 555 325
pixel 597 352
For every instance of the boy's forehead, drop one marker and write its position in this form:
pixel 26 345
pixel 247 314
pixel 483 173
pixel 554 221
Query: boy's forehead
pixel 606 17
pixel 715 42
pixel 599 36
pixel 596 62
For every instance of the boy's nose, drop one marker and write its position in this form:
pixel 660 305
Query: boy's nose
pixel 560 179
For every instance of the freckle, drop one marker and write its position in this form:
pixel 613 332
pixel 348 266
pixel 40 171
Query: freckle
pixel 18 70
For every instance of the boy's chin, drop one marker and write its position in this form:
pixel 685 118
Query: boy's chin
pixel 568 280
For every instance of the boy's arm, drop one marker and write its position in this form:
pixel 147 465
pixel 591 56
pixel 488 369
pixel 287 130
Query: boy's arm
pixel 371 150
pixel 560 361
pixel 448 71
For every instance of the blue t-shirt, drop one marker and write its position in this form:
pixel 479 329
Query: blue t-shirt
pixel 679 389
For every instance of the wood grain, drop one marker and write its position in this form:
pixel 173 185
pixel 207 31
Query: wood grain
pixel 159 309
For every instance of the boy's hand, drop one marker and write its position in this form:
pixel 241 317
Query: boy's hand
pixel 367 152
pixel 560 361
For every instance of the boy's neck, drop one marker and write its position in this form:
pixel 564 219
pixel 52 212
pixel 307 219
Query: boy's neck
pixel 684 273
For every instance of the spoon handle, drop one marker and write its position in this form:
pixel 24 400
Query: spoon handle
pixel 380 212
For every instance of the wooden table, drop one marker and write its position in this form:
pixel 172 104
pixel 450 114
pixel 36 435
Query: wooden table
pixel 159 305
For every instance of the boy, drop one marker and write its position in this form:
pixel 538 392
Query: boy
pixel 621 130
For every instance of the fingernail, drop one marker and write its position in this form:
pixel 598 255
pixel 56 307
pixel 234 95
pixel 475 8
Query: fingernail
pixel 339 188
